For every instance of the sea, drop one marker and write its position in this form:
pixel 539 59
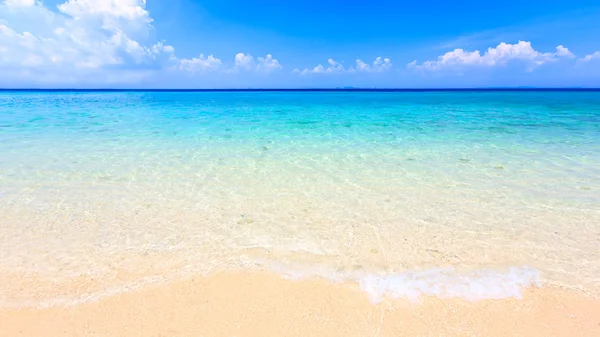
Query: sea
pixel 476 194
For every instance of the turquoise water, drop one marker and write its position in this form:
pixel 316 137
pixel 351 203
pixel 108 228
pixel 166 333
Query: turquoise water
pixel 113 189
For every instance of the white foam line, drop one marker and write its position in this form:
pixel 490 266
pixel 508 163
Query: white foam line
pixel 66 301
pixel 475 285
pixel 70 301
pixel 445 283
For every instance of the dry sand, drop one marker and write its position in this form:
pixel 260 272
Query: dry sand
pixel 264 304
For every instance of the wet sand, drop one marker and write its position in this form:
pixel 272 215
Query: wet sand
pixel 264 304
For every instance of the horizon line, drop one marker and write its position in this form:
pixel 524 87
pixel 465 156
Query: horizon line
pixel 358 89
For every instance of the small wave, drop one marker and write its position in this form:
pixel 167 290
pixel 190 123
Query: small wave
pixel 445 283
pixel 475 285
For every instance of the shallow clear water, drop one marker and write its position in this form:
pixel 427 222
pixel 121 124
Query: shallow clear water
pixel 106 190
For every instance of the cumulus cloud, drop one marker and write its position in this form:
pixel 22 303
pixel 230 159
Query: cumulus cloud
pixel 499 55
pixel 334 67
pixel 380 64
pixel 563 52
pixel 244 61
pixel 22 3
pixel 590 57
pixel 268 63
pixel 84 36
pixel 93 37
pixel 109 10
pixel 200 64
pixel 265 64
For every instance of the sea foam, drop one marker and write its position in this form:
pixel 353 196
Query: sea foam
pixel 474 285
pixel 446 283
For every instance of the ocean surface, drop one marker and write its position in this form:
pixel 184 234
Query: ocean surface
pixel 475 194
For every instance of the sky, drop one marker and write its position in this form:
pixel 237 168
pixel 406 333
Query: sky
pixel 299 44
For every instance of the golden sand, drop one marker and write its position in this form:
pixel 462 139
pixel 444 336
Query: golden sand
pixel 264 304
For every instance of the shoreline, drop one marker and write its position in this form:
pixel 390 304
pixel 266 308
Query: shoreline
pixel 265 304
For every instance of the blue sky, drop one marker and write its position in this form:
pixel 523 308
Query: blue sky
pixel 241 44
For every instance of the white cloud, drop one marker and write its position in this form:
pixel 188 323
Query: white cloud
pixel 268 63
pixel 590 57
pixel 244 61
pixel 265 64
pixel 161 47
pixel 334 67
pixel 109 10
pixel 85 36
pixel 563 52
pixel 380 64
pixel 103 38
pixel 200 64
pixel 500 55
pixel 19 3
pixel 316 70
